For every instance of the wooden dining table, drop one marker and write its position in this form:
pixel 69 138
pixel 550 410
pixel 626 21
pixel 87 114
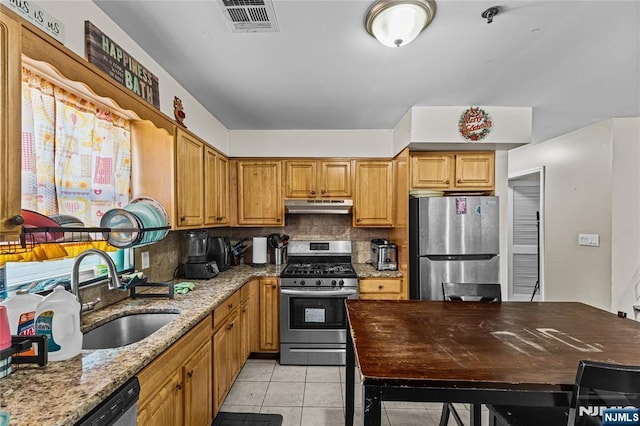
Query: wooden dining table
pixel 509 353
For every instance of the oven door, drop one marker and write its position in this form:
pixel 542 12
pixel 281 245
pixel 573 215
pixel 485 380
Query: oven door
pixel 314 315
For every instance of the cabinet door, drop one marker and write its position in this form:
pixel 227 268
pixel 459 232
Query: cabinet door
pixel 334 179
pixel 269 315
pixel 432 171
pixel 254 315
pixel 300 179
pixel 234 341
pixel 211 193
pixel 166 405
pixel 221 383
pixel 260 193
pixel 245 333
pixel 10 126
pixel 189 180
pixel 475 171
pixel 373 205
pixel 197 380
pixel 222 168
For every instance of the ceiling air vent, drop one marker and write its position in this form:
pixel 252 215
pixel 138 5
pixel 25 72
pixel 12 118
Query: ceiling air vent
pixel 249 16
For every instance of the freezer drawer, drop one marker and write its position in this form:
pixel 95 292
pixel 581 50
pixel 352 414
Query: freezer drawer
pixel 438 269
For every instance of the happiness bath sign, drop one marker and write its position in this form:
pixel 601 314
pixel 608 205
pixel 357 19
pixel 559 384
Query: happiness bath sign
pixel 122 67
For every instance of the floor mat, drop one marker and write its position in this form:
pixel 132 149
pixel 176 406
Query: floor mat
pixel 247 419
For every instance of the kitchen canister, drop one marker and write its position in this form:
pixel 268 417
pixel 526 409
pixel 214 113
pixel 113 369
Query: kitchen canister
pixel 21 310
pixel 58 318
pixel 5 342
pixel 259 253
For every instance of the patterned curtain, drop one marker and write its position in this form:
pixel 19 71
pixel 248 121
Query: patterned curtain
pixel 76 156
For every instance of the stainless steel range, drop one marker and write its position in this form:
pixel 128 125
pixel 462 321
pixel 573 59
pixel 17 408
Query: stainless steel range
pixel 313 287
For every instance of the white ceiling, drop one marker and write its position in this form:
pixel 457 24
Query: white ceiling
pixel 574 62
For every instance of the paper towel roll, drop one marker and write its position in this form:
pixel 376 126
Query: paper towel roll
pixel 259 251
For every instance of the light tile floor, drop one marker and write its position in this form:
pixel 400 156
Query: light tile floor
pixel 309 396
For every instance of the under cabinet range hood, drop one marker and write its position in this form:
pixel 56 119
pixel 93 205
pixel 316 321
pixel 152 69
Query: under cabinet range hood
pixel 318 206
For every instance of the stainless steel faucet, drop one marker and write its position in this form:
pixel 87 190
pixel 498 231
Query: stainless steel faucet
pixel 114 280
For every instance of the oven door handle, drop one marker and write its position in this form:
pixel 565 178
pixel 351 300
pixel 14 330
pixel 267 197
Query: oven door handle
pixel 317 293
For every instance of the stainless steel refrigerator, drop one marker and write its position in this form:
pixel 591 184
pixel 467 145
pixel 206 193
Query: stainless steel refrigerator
pixel 452 239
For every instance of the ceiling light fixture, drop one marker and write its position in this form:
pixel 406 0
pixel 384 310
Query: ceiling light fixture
pixel 396 23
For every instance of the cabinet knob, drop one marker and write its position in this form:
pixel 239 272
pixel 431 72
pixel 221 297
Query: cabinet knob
pixel 447 182
pixel 230 326
pixel 459 180
pixel 219 218
pixel 380 287
pixel 230 305
pixel 313 192
pixel 190 374
pixel 179 386
pixel 323 192
pixel 17 219
pixel 278 220
pixel 182 218
pixel 358 219
pixel 273 286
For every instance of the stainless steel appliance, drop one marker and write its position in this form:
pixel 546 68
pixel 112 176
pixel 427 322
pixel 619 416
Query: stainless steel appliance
pixel 197 266
pixel 219 251
pixel 384 255
pixel 452 239
pixel 313 287
pixel 119 409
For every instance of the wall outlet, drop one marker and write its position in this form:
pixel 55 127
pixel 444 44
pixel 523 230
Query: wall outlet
pixel 592 240
pixel 145 259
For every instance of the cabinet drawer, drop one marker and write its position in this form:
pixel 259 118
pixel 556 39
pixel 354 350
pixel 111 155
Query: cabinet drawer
pixel 380 285
pixel 225 308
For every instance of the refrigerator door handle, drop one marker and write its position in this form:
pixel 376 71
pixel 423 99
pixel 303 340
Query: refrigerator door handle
pixel 446 257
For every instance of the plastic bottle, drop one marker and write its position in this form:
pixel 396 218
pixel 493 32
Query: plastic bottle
pixel 58 317
pixel 21 310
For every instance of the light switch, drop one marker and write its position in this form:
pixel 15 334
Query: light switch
pixel 145 259
pixel 592 240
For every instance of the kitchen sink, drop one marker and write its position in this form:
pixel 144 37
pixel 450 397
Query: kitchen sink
pixel 125 330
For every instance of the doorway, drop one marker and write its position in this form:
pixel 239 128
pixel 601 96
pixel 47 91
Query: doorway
pixel 526 235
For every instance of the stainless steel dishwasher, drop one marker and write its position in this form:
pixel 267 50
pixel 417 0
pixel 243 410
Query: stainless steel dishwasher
pixel 119 409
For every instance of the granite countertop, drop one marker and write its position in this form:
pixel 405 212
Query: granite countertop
pixel 62 392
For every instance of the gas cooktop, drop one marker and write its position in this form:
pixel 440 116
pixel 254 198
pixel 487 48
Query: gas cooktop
pixel 329 270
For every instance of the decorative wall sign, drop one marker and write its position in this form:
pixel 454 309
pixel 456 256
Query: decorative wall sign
pixel 178 112
pixel 475 124
pixel 37 16
pixel 122 67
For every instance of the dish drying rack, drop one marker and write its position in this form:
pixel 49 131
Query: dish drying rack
pixel 32 236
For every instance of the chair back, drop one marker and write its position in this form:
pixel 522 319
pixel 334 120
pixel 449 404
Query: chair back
pixel 471 292
pixel 599 385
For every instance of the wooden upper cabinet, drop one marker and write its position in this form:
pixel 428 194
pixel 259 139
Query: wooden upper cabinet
pixel 258 198
pixel 317 178
pixel 189 180
pixel 453 170
pixel 10 127
pixel 475 171
pixel 432 171
pixel 373 204
pixel 216 188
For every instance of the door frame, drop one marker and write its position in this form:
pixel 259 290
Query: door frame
pixel 540 171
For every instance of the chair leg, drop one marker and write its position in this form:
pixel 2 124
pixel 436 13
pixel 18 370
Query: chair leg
pixel 448 408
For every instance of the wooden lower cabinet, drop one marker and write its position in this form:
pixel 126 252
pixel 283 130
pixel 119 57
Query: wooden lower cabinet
pixel 269 315
pixel 176 387
pixel 382 289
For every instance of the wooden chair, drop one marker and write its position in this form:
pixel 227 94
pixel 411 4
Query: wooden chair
pixel 597 385
pixel 466 292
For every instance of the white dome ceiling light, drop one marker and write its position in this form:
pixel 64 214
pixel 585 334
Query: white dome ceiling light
pixel 396 23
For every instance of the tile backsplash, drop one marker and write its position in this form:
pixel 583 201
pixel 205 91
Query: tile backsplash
pixel 167 254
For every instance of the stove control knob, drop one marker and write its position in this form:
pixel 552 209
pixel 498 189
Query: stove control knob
pixel 318 282
pixel 341 283
pixel 302 282
pixel 333 283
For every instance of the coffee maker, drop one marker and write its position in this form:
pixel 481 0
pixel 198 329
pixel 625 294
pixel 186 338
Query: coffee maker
pixel 197 266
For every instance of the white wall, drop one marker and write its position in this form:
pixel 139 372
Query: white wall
pixel 578 199
pixel 625 254
pixel 73 14
pixel 310 143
